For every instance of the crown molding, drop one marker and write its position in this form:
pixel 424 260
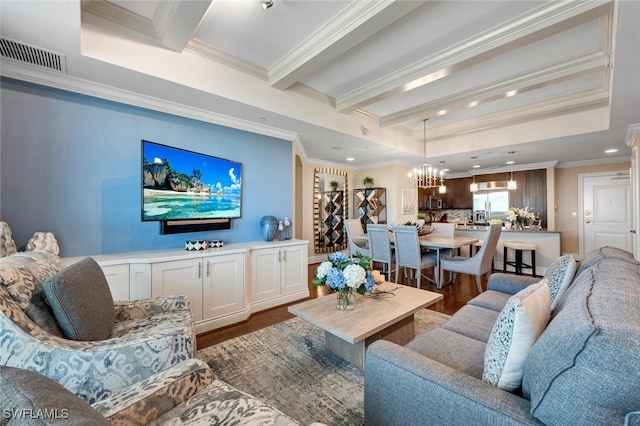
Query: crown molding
pixel 541 22
pixel 316 162
pixel 209 52
pixel 596 162
pixel 115 14
pixel 98 90
pixel 633 132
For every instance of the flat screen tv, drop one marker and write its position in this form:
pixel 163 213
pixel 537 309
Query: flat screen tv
pixel 183 185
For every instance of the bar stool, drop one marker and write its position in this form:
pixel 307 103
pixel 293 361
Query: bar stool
pixel 519 247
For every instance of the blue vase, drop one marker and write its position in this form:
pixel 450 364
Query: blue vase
pixel 269 225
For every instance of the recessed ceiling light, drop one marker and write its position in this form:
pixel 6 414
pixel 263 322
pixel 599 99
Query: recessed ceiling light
pixel 350 159
pixel 510 162
pixel 611 151
pixel 476 166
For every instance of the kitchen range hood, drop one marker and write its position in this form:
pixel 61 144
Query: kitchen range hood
pixel 490 186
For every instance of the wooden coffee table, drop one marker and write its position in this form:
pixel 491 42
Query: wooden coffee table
pixel 349 333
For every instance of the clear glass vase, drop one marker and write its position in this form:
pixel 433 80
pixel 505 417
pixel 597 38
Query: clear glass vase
pixel 346 299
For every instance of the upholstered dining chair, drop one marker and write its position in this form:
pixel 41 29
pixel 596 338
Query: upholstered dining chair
pixel 408 253
pixel 358 240
pixel 380 246
pixel 443 230
pixel 480 263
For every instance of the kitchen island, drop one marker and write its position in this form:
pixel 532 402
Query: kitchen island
pixel 547 245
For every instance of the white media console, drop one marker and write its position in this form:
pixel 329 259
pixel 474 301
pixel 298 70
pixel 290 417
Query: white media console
pixel 225 285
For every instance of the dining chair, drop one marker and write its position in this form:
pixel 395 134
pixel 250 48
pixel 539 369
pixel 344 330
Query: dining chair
pixel 358 241
pixel 409 255
pixel 443 230
pixel 478 264
pixel 380 246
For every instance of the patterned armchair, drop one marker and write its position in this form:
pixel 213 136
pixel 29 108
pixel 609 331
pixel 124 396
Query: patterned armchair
pixel 186 393
pixel 148 337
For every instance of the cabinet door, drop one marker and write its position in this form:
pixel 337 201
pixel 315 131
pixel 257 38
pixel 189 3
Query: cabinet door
pixel 294 271
pixel 179 277
pixel 223 285
pixel 118 279
pixel 265 274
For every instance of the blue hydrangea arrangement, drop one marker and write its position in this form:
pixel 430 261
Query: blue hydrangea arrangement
pixel 341 272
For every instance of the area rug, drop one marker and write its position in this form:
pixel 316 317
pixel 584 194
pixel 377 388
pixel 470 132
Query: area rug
pixel 287 367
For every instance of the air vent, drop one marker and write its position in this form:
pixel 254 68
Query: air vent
pixel 28 54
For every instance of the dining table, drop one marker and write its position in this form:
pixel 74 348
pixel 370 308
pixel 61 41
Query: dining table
pixel 437 243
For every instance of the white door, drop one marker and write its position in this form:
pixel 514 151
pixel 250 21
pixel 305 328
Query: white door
pixel 606 214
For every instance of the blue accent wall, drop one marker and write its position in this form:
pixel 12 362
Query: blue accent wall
pixel 70 164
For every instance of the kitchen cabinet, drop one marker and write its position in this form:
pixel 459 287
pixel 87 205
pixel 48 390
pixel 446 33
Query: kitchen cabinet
pixel 278 271
pixel 458 195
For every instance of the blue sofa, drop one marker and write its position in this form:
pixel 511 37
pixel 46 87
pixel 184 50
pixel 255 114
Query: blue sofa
pixel 584 369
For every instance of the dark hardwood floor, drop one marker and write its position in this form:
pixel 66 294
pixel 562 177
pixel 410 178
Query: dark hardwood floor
pixel 455 296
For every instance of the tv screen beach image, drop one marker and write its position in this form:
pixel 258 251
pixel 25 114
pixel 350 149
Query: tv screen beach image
pixel 182 185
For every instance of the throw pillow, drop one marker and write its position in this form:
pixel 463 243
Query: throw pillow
pixel 30 398
pixel 43 241
pixel 560 276
pixel 520 323
pixel 23 275
pixel 7 245
pixel 81 301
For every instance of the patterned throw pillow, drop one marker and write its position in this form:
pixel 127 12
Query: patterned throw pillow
pixel 22 274
pixel 560 276
pixel 520 323
pixel 7 245
pixel 43 241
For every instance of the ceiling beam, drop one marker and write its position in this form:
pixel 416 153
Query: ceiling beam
pixel 580 101
pixel 176 21
pixel 354 24
pixel 572 68
pixel 549 19
pixel 173 23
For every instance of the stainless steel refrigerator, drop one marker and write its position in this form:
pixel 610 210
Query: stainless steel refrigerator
pixel 490 204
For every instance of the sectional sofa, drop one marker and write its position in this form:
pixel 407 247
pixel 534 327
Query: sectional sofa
pixel 561 351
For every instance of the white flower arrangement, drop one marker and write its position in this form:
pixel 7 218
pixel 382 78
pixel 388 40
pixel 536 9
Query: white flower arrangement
pixel 522 216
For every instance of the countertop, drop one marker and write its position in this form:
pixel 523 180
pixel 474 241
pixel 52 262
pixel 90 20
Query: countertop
pixel 482 228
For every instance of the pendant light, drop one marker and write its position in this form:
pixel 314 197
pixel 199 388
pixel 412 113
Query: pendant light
pixel 511 184
pixel 474 186
pixel 442 189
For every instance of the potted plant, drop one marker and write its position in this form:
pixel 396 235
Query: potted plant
pixel 367 181
pixel 334 185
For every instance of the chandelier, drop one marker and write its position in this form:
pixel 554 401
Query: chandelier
pixel 424 176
